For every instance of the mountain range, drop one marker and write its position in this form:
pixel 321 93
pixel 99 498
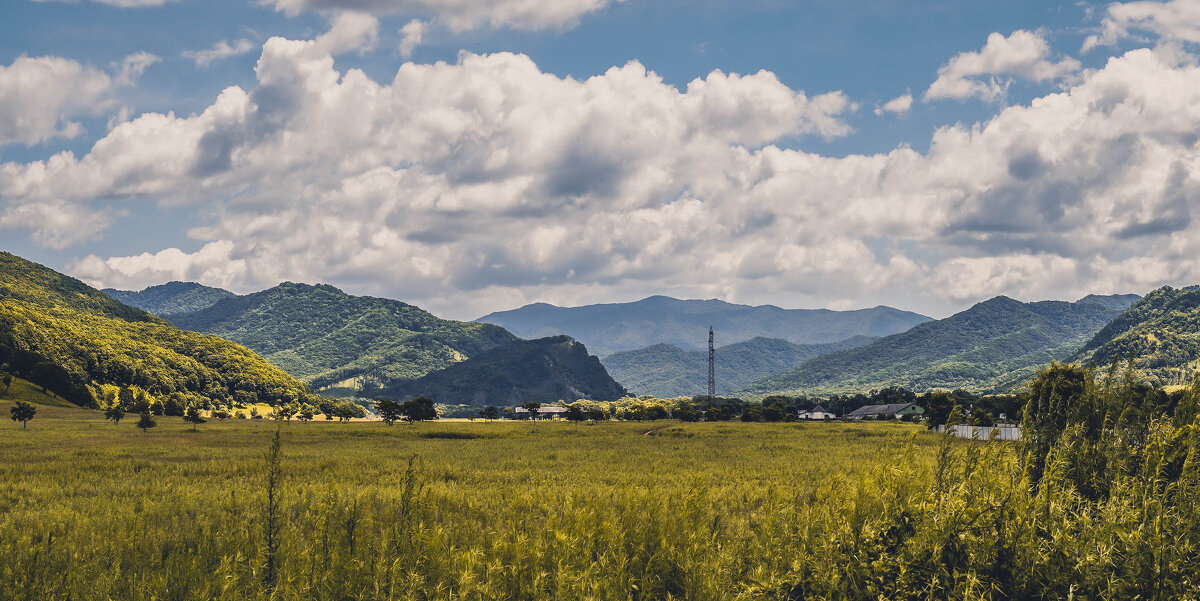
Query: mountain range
pixel 995 345
pixel 616 327
pixel 667 371
pixel 329 338
pixel 74 340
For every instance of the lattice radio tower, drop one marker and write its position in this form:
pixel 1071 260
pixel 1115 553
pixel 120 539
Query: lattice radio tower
pixel 712 372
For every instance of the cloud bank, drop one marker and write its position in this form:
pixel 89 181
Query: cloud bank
pixel 486 183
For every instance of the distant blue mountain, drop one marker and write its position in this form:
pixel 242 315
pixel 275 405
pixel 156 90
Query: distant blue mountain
pixel 171 298
pixel 667 371
pixel 615 327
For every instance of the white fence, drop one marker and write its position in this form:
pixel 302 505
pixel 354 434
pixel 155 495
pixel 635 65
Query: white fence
pixel 1006 432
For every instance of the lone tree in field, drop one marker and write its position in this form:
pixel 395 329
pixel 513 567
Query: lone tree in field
pixel 490 412
pixel 192 416
pixel 532 408
pixel 145 422
pixel 306 414
pixel 115 414
pixel 418 410
pixel 389 410
pixel 23 412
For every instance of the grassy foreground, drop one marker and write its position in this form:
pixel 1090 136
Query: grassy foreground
pixel 89 510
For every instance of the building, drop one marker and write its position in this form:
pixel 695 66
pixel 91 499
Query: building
pixel 546 412
pixel 817 412
pixel 892 411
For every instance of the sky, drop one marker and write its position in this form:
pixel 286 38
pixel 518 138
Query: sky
pixel 470 156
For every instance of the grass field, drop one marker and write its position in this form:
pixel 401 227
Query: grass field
pixel 89 510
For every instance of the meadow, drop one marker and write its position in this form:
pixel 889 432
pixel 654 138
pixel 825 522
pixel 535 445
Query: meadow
pixel 451 510
pixel 1099 504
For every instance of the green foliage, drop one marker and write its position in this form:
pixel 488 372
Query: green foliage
pixel 325 337
pixel 997 345
pixel 115 414
pixel 69 339
pixel 23 412
pixel 543 371
pixel 666 371
pixel 1161 333
pixel 389 411
pixel 192 416
pixel 420 409
pixel 171 298
pixel 145 421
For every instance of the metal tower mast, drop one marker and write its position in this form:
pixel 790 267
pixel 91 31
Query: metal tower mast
pixel 712 373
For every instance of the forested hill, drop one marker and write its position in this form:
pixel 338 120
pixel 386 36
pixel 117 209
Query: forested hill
pixel 610 328
pixel 171 298
pixel 995 345
pixel 1161 333
pixel 327 337
pixel 544 370
pixel 667 371
pixel 69 337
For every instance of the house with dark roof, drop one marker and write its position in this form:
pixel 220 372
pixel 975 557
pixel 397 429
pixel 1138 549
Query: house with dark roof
pixel 893 411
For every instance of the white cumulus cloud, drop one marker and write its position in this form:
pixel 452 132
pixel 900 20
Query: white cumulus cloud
pixel 986 74
pixel 39 95
pixel 463 15
pixel 1173 20
pixel 488 182
pixel 220 51
pixel 896 106
pixel 410 36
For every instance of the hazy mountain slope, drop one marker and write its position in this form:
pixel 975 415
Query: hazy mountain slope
pixel 542 371
pixel 61 333
pixel 1160 332
pixel 610 328
pixel 666 371
pixel 170 298
pixel 325 336
pixel 994 345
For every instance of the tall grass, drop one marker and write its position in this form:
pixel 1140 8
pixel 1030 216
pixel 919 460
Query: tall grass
pixel 566 511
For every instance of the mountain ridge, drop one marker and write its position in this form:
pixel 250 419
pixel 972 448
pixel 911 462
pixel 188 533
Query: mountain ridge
pixel 992 346
pixel 614 327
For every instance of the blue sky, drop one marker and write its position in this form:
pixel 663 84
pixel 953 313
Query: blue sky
pixel 447 187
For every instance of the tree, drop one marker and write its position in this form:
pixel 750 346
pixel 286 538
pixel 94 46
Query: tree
pixel 192 416
pixel 145 422
pixel 286 411
pixel 418 410
pixel 23 412
pixel 532 408
pixel 575 413
pixel 125 399
pixel 306 414
pixel 490 412
pixel 115 414
pixel 389 410
pixel 6 379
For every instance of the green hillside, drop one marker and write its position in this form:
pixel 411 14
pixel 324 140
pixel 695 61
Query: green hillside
pixel 667 371
pixel 544 370
pixel 1161 333
pixel 171 298
pixel 995 345
pixel 62 334
pixel 327 337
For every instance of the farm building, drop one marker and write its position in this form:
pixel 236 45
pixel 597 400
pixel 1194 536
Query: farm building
pixel 547 412
pixel 817 412
pixel 894 411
